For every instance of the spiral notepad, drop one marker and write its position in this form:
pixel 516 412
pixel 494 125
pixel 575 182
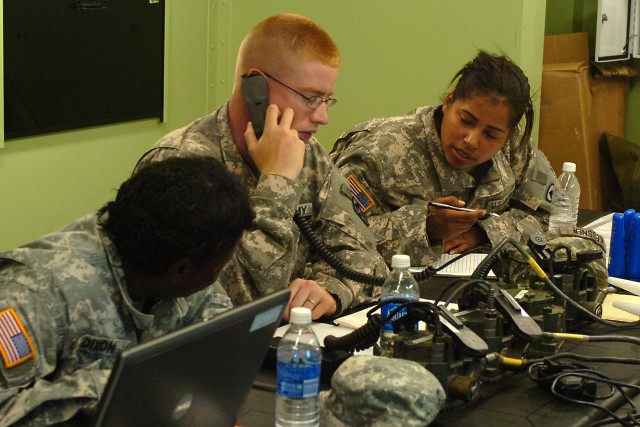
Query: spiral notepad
pixel 463 267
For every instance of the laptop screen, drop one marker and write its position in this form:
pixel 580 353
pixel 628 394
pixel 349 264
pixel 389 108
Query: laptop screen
pixel 196 376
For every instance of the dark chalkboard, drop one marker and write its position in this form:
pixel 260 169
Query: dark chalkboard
pixel 75 64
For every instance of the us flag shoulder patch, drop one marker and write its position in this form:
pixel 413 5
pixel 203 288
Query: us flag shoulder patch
pixel 15 344
pixel 362 198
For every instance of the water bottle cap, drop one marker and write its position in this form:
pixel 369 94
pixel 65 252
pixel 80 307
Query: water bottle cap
pixel 300 316
pixel 568 167
pixel 400 261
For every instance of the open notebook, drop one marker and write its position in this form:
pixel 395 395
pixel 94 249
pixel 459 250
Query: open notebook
pixel 196 376
pixel 466 265
pixel 463 267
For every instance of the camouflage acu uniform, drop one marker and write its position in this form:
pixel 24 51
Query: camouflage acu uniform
pixel 397 165
pixel 66 297
pixel 400 163
pixel 273 252
pixel 378 391
pixel 579 240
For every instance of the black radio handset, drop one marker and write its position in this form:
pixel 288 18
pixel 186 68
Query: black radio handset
pixel 256 95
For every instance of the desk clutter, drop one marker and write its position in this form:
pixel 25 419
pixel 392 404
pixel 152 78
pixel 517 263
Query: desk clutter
pixel 509 351
pixel 480 331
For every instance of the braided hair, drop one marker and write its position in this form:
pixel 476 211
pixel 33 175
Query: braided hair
pixel 177 208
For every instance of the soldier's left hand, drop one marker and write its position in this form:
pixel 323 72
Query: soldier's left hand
pixel 470 239
pixel 307 293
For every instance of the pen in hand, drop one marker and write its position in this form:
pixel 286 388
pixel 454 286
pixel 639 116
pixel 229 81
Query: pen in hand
pixel 456 208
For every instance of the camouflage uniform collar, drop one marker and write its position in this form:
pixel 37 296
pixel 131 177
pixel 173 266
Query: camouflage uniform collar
pixel 165 312
pixel 230 154
pixel 141 320
pixel 487 172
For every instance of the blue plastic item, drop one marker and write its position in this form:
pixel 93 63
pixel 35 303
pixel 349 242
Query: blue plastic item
pixel 628 219
pixel 633 259
pixel 617 262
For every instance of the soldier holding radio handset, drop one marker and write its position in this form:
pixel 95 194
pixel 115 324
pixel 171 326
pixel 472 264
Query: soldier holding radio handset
pixel 286 72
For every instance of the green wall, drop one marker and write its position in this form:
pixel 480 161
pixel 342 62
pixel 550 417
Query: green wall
pixel 47 181
pixel 396 55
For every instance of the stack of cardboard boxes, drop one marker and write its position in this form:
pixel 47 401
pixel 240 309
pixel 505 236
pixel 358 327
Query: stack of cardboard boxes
pixel 579 101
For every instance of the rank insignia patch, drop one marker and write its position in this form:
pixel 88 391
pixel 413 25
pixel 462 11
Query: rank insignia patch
pixel 15 344
pixel 362 198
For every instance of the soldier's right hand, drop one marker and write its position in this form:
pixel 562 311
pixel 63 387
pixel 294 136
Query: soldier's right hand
pixel 446 224
pixel 279 150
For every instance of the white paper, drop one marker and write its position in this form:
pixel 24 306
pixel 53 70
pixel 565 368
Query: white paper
pixel 610 312
pixel 464 267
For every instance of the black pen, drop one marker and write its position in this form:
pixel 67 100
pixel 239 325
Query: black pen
pixel 456 208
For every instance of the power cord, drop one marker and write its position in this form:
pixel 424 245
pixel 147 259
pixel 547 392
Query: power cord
pixel 577 383
pixel 306 228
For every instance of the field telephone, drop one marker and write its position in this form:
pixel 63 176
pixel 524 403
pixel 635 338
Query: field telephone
pixel 256 94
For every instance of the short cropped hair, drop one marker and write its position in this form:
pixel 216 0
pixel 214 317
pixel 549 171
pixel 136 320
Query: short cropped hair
pixel 286 38
pixel 174 209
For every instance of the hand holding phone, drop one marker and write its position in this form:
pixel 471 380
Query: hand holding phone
pixel 447 219
pixel 457 208
pixel 256 94
pixel 280 151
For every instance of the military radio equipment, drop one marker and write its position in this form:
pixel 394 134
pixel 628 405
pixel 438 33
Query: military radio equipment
pixel 495 322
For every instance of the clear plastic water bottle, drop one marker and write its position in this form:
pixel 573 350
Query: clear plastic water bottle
pixel 298 372
pixel 565 199
pixel 399 284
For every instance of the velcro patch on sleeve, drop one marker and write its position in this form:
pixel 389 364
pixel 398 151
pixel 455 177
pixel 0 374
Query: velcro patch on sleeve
pixel 15 344
pixel 362 198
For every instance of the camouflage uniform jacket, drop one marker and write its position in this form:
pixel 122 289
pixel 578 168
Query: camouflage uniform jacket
pixel 398 166
pixel 273 252
pixel 65 296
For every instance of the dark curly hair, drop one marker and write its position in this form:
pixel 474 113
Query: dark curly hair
pixel 174 209
pixel 499 76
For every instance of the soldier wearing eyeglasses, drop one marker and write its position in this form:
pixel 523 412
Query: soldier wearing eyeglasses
pixel 286 170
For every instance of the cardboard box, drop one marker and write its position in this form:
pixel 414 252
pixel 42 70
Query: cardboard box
pixel 610 86
pixel 565 108
pixel 576 107
pixel 573 47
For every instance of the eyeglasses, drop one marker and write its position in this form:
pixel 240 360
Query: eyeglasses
pixel 313 102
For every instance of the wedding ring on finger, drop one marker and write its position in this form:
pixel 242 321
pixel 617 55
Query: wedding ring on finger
pixel 312 302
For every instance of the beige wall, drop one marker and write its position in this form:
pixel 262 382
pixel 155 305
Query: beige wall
pixel 396 55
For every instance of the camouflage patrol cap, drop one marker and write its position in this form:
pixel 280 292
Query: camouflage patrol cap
pixel 581 240
pixel 380 391
pixel 578 240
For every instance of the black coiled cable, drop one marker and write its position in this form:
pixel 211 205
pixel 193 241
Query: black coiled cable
pixel 369 333
pixel 484 267
pixel 305 227
pixel 360 339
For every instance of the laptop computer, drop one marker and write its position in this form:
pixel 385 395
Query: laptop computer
pixel 197 376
